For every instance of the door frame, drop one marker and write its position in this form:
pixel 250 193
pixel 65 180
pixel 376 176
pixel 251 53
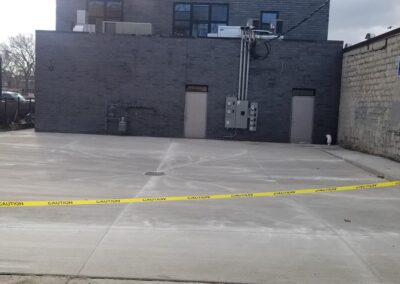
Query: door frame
pixel 205 93
pixel 314 91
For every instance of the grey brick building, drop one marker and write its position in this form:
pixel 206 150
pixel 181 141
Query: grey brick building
pixel 80 75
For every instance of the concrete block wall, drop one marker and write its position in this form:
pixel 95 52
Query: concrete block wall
pixel 160 14
pixel 77 75
pixel 370 98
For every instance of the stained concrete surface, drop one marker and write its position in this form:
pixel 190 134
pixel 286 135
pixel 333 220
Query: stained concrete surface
pixel 31 279
pixel 378 165
pixel 343 237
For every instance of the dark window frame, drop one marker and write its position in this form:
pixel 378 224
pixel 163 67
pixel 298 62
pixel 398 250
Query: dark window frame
pixel 191 21
pixel 277 13
pixel 188 21
pixel 105 17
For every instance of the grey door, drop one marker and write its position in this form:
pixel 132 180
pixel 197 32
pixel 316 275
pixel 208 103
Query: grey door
pixel 196 115
pixel 302 119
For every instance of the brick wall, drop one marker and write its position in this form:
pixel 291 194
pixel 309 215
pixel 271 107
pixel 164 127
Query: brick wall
pixel 78 74
pixel 370 98
pixel 66 13
pixel 160 14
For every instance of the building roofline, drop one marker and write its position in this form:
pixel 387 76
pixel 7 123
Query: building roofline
pixel 372 40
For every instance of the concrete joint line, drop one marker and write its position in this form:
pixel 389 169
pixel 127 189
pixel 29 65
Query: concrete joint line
pixel 144 188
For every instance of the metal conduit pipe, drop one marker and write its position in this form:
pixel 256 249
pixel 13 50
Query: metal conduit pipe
pixel 247 67
pixel 242 68
pixel 239 95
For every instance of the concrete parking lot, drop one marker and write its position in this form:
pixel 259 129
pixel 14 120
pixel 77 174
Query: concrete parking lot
pixel 343 237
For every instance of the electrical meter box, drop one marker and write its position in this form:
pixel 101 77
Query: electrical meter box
pixel 236 113
pixel 242 114
pixel 253 117
pixel 230 112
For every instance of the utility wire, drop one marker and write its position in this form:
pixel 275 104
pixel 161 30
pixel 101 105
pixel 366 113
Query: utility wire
pixel 303 21
pixel 267 42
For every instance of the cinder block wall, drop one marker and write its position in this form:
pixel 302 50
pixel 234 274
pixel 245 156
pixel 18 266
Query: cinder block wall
pixel 160 14
pixel 78 74
pixel 370 98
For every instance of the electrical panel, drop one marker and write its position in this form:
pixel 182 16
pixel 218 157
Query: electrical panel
pixel 230 112
pixel 242 114
pixel 253 116
pixel 239 113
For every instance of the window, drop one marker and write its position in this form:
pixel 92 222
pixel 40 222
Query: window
pixel 269 21
pixel 219 17
pixel 104 10
pixel 114 11
pixel 201 13
pixel 198 20
pixel 182 15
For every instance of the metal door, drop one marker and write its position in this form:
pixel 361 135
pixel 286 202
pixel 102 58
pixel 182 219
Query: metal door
pixel 302 119
pixel 196 115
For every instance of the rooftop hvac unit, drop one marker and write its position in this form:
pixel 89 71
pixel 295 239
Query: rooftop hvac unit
pixel 229 31
pixel 255 23
pixel 81 23
pixel 85 28
pixel 127 28
pixel 279 27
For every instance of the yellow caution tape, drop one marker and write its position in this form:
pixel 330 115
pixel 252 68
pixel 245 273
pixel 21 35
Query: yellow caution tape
pixel 53 203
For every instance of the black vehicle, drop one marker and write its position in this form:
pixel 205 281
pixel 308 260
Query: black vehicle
pixel 15 109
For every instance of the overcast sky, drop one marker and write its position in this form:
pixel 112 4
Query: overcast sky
pixel 350 20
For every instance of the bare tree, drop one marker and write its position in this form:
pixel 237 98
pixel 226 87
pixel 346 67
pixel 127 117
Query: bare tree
pixel 19 58
pixel 8 69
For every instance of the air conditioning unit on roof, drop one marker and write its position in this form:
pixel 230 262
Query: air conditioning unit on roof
pixel 81 23
pixel 85 28
pixel 229 31
pixel 255 23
